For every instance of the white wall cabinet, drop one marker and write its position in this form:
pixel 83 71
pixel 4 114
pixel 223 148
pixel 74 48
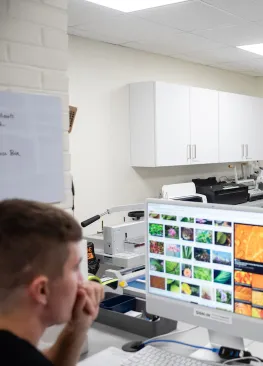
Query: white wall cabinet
pixel 159 124
pixel 173 125
pixel 240 127
pixel 254 145
pixel 204 126
pixel 234 118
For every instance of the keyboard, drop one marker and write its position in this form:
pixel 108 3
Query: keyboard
pixel 151 356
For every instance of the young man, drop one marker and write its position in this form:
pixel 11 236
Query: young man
pixel 41 285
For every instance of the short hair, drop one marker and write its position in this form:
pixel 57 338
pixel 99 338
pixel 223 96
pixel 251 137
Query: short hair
pixel 34 240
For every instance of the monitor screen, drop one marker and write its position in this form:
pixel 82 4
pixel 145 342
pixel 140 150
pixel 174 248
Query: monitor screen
pixel 207 256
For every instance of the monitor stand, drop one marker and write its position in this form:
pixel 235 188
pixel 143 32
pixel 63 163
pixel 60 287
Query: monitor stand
pixel 218 340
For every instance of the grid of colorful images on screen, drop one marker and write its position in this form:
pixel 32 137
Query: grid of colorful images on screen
pixel 193 257
pixel 249 270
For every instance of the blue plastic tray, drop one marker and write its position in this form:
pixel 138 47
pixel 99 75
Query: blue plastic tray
pixel 120 304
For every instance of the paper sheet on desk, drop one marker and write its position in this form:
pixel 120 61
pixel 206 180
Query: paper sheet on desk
pixel 111 357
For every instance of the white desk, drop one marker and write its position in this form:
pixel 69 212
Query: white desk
pixel 102 337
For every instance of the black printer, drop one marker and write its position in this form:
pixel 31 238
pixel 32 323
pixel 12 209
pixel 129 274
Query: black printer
pixel 222 192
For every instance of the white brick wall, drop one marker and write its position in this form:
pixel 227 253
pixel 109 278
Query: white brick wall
pixel 54 38
pixel 46 58
pixel 53 80
pixel 24 32
pixel 34 57
pixel 39 13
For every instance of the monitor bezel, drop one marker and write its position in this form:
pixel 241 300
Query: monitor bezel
pixel 227 323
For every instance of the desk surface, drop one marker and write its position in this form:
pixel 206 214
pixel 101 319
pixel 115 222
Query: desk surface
pixel 102 337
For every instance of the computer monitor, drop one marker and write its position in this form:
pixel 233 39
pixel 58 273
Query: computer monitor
pixel 204 266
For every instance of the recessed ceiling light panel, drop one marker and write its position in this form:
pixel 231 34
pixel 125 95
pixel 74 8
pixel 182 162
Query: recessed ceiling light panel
pixel 128 6
pixel 254 48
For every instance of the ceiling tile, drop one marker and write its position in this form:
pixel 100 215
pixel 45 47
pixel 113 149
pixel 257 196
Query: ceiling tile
pixel 189 16
pixel 253 73
pixel 235 66
pixel 258 64
pixel 228 54
pixel 181 43
pixel 95 35
pixel 217 28
pixel 249 33
pixel 81 11
pixel 132 29
pixel 246 9
pixel 190 58
pixel 160 49
pixel 243 68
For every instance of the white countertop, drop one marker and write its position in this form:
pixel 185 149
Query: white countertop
pixel 102 337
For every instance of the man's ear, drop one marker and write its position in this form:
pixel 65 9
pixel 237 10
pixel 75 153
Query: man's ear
pixel 39 290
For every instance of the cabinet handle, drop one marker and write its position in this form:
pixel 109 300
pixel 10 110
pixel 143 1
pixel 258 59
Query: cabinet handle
pixel 188 152
pixel 243 151
pixel 247 153
pixel 194 151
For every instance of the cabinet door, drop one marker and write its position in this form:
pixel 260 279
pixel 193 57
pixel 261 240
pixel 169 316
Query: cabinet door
pixel 141 123
pixel 204 125
pixel 234 120
pixel 253 141
pixel 172 125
